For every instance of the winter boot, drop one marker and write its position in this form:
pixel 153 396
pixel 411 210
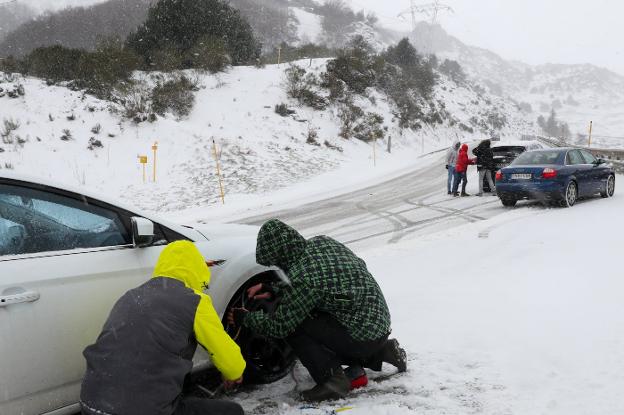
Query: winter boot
pixel 357 376
pixel 464 194
pixel 336 387
pixel 393 353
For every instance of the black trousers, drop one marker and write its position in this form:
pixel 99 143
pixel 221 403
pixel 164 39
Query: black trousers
pixel 322 345
pixel 194 406
pixel 198 406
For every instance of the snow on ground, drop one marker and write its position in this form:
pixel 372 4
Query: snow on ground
pixel 519 314
pixel 320 187
pixel 309 29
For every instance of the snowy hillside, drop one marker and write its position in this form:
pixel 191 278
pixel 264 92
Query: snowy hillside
pixel 309 29
pixel 260 150
pixel 579 93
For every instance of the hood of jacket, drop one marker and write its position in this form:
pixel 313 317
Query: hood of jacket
pixel 181 260
pixel 278 245
pixel 464 148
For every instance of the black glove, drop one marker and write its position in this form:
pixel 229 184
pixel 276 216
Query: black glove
pixel 238 315
pixel 447 167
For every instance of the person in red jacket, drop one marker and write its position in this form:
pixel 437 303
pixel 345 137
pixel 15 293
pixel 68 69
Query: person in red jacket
pixel 461 168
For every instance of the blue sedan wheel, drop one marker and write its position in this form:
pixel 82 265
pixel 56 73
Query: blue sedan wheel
pixel 571 195
pixel 609 187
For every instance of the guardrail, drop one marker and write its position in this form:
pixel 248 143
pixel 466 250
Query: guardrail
pixel 614 157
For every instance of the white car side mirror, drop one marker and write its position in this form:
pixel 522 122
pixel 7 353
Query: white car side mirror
pixel 142 232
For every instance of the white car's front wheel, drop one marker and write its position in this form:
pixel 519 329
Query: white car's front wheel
pixel 268 359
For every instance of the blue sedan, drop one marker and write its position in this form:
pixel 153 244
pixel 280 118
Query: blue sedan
pixel 561 176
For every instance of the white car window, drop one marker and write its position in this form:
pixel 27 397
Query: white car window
pixel 36 221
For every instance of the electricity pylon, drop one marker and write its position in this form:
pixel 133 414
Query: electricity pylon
pixel 430 10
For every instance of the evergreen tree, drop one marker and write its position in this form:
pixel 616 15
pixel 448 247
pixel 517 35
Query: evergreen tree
pixel 183 24
pixel 553 127
pixel 416 72
pixel 454 70
pixel 403 55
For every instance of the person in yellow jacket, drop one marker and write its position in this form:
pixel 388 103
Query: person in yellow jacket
pixel 140 360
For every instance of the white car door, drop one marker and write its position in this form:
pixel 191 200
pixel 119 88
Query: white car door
pixel 64 261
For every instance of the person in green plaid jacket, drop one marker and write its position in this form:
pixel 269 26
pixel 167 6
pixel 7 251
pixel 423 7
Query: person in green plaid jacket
pixel 332 313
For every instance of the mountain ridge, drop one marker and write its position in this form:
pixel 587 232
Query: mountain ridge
pixel 579 93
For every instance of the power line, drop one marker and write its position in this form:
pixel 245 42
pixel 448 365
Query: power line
pixel 376 12
pixel 430 10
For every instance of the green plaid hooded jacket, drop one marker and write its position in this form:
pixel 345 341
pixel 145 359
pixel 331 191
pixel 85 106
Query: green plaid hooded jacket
pixel 324 276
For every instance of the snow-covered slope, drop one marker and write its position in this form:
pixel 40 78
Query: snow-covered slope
pixel 260 150
pixel 579 93
pixel 310 30
pixel 496 319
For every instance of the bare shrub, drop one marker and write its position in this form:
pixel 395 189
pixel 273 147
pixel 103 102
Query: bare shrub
pixel 67 135
pixel 283 110
pixel 10 125
pixel 135 101
pixel 312 136
pixel 94 143
pixel 176 95
pixel 303 86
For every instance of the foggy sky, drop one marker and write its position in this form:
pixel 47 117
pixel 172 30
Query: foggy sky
pixel 532 31
pixel 41 5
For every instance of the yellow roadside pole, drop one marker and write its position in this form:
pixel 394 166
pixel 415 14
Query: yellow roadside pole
pixel 279 55
pixel 216 156
pixel 143 161
pixel 375 151
pixel 155 149
pixel 590 133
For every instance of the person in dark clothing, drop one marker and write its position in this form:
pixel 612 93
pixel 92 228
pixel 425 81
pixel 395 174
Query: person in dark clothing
pixel 485 164
pixel 332 312
pixel 461 170
pixel 141 359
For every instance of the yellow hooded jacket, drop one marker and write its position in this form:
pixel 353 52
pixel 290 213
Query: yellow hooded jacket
pixel 182 261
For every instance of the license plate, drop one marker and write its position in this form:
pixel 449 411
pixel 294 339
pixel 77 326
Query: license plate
pixel 521 176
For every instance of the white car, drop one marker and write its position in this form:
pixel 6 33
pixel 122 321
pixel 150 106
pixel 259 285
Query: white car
pixel 66 257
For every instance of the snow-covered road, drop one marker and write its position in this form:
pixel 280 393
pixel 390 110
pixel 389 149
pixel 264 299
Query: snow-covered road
pixel 410 205
pixel 517 314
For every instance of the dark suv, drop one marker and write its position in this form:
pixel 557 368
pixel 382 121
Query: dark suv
pixel 505 153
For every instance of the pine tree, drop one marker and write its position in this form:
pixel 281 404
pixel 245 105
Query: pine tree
pixel 183 24
pixel 403 55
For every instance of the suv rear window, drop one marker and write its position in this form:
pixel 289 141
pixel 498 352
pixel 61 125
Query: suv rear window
pixel 537 158
pixel 508 151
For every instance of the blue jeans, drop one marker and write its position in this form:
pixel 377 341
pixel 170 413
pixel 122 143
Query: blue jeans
pixel 451 175
pixel 460 177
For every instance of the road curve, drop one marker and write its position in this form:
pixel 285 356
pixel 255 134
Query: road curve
pixel 410 205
